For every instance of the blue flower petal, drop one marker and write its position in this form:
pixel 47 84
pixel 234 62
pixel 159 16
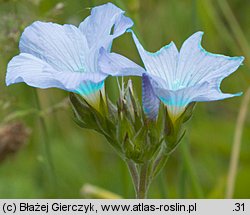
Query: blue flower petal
pixel 193 74
pixel 38 73
pixel 149 99
pixel 31 70
pixel 196 65
pixel 117 65
pixel 121 25
pixel 177 100
pixel 103 20
pixel 64 47
pixel 160 64
pixel 65 56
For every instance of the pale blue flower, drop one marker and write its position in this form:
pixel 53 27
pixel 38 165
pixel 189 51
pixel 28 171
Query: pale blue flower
pixel 175 77
pixel 65 56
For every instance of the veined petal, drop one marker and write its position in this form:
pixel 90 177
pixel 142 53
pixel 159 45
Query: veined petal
pixel 98 26
pixel 38 73
pixel 121 25
pixel 212 92
pixel 177 100
pixel 64 47
pixel 66 57
pixel 72 80
pixel 117 65
pixel 162 63
pixel 196 65
pixel 178 79
pixel 150 101
pixel 31 70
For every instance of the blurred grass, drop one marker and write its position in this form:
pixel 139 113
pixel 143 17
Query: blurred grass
pixel 82 156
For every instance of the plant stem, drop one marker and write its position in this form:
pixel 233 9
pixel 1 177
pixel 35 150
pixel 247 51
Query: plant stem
pixel 140 177
pixel 144 174
pixel 144 182
pixel 46 139
pixel 234 160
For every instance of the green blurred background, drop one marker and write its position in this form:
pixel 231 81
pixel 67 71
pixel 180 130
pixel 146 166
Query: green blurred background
pixel 198 168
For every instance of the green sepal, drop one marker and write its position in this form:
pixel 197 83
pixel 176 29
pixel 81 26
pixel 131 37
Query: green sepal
pixel 188 113
pixel 82 112
pixel 125 126
pixel 157 167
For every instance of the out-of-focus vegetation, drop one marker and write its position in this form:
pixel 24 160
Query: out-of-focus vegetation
pixel 59 157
